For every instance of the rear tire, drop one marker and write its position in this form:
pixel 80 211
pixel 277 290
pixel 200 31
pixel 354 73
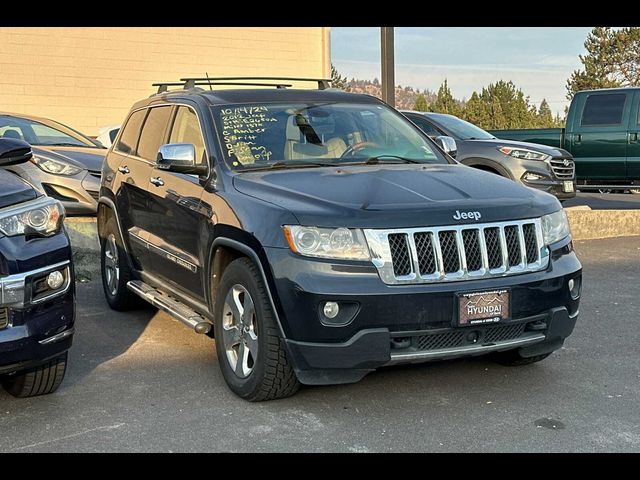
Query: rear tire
pixel 250 350
pixel 115 270
pixel 512 358
pixel 40 380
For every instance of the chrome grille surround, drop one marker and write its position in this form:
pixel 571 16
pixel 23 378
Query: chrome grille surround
pixel 562 171
pixel 519 247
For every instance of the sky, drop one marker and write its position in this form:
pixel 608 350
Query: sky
pixel 537 59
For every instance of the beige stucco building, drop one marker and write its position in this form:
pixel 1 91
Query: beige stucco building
pixel 88 77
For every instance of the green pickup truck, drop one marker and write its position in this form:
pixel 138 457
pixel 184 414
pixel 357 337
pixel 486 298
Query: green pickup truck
pixel 602 133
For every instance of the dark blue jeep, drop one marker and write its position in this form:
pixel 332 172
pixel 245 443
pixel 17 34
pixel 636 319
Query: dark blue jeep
pixel 37 295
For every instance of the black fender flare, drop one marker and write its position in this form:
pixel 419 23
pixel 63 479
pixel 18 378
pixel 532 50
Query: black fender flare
pixel 485 162
pixel 253 256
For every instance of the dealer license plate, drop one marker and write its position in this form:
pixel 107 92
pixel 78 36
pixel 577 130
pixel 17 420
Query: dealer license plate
pixel 478 308
pixel 567 186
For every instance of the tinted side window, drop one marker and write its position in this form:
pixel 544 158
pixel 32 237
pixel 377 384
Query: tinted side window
pixel 186 129
pixel 153 132
pixel 129 138
pixel 424 125
pixel 604 109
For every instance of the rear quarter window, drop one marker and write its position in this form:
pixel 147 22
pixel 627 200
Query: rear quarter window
pixel 130 133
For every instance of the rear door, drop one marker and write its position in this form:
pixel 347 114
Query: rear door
pixel 179 220
pixel 599 136
pixel 139 165
pixel 131 177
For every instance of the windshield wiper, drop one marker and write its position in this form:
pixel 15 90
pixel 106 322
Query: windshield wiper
pixel 64 144
pixel 388 158
pixel 294 164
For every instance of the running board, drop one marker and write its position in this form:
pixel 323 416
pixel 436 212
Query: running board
pixel 176 309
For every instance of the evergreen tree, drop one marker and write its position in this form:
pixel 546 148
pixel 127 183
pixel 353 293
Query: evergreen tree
pixel 545 117
pixel 337 80
pixel 612 60
pixel 421 104
pixel 445 103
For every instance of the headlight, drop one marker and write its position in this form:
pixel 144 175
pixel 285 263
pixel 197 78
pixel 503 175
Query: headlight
pixel 555 227
pixel 42 217
pixel 524 153
pixel 56 167
pixel 339 243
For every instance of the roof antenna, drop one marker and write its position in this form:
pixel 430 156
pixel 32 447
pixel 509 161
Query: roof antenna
pixel 209 81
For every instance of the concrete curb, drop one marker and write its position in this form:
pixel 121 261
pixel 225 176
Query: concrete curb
pixel 83 233
pixel 586 224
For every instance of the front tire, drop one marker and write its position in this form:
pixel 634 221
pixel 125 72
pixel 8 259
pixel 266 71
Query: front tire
pixel 40 380
pixel 250 350
pixel 115 270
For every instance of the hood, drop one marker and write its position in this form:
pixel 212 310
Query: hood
pixel 14 190
pixel 85 157
pixel 394 196
pixel 497 143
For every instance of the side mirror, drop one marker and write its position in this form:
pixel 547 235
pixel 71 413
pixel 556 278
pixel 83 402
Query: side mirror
pixel 14 151
pixel 179 158
pixel 447 144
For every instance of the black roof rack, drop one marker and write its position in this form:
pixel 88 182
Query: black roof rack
pixel 187 83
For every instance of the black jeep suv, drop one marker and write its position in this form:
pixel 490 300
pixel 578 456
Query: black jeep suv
pixel 37 302
pixel 319 234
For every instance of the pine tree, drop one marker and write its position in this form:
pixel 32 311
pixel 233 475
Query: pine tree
pixel 545 117
pixel 612 60
pixel 421 104
pixel 337 80
pixel 445 103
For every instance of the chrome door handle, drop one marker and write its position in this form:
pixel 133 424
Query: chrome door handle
pixel 124 169
pixel 157 181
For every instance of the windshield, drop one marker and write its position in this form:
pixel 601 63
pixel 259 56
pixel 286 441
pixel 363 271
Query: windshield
pixel 461 129
pixel 316 134
pixel 39 134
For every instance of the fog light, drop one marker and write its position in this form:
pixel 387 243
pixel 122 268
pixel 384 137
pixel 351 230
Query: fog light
pixel 55 280
pixel 574 288
pixel 331 310
pixel 532 177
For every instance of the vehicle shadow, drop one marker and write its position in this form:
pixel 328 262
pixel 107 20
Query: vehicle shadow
pixel 102 334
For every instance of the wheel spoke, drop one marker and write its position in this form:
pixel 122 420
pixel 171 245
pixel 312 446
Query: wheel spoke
pixel 230 336
pixel 252 344
pixel 247 310
pixel 235 306
pixel 241 363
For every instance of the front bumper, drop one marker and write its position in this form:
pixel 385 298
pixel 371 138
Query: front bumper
pixel 78 193
pixel 394 324
pixel 37 323
pixel 548 182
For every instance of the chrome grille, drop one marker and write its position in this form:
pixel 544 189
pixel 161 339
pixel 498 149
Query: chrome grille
pixel 562 171
pixel 96 173
pixel 400 254
pixel 460 252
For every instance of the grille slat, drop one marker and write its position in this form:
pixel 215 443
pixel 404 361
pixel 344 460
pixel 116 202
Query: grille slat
pixel 400 254
pixel 426 253
pixel 419 255
pixel 472 252
pixel 449 247
pixel 513 245
pixel 529 231
pixel 562 171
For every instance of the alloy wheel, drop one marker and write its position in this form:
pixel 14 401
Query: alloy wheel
pixel 111 269
pixel 239 331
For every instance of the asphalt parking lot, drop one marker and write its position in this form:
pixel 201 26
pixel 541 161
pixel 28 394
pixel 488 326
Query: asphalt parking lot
pixel 142 382
pixel 605 201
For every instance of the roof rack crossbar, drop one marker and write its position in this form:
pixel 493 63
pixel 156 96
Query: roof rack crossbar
pixel 323 83
pixel 163 86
